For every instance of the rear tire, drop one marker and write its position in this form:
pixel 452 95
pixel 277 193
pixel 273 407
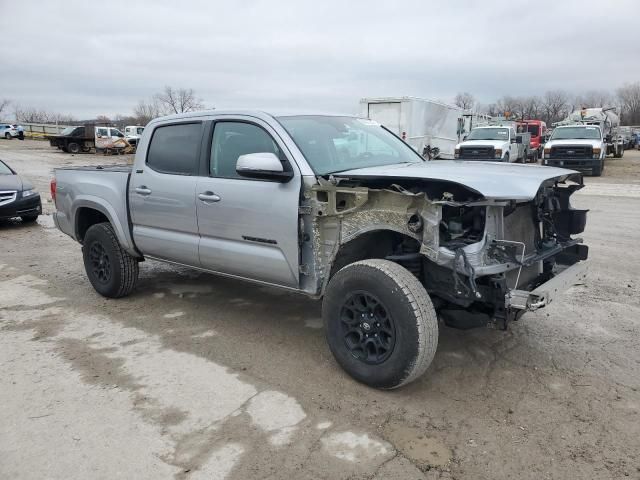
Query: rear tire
pixel 73 147
pixel 380 323
pixel 112 271
pixel 29 218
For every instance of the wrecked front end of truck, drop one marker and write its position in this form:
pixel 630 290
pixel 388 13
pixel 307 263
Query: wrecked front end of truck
pixel 482 259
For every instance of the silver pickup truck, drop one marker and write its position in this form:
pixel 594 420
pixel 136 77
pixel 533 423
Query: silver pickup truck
pixel 338 208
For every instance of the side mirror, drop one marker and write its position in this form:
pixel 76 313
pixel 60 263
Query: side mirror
pixel 514 140
pixel 263 166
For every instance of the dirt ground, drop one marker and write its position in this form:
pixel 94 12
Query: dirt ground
pixel 199 377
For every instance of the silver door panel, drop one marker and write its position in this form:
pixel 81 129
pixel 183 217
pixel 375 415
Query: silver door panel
pixel 252 231
pixel 164 219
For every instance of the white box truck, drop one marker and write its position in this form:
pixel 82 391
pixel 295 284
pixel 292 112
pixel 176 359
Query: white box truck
pixel 422 123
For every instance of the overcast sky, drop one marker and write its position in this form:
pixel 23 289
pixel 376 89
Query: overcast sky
pixel 87 58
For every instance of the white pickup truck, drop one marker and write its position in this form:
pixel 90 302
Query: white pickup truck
pixel 132 134
pixel 338 208
pixel 497 143
pixel 582 147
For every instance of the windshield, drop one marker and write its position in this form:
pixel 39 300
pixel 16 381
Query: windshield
pixel 4 170
pixel 489 134
pixel 533 130
pixel 335 144
pixel 576 133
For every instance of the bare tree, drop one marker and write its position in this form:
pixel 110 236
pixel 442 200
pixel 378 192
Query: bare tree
pixel 179 100
pixel 629 96
pixel 146 111
pixel 555 105
pixel 4 103
pixel 594 98
pixel 464 100
pixel 531 107
pixel 39 115
pixel 506 106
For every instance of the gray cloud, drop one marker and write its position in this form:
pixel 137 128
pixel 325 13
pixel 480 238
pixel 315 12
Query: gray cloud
pixel 87 59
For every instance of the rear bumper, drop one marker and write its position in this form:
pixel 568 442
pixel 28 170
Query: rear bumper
pixel 548 291
pixel 576 163
pixel 22 207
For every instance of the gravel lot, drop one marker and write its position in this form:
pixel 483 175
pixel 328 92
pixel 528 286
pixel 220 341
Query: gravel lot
pixel 195 376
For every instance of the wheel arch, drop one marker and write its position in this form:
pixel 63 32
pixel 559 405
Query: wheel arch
pixel 90 211
pixel 369 243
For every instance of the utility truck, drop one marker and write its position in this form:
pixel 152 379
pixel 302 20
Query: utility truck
pixel 608 122
pixel 537 129
pixel 499 142
pixel 340 209
pixel 579 146
pixel 424 124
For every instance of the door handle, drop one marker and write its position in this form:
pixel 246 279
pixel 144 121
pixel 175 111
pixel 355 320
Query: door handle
pixel 209 197
pixel 142 190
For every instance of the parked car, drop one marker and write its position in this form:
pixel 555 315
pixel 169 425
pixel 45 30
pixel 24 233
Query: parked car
pixel 18 198
pixel 338 208
pixel 9 131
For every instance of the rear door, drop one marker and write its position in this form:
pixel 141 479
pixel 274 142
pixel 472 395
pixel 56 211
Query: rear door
pixel 162 194
pixel 248 228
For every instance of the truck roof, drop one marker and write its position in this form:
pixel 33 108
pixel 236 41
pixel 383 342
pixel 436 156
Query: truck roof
pixel 253 113
pixel 406 99
pixel 574 125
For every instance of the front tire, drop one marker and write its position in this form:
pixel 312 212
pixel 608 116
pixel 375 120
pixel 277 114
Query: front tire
pixel 380 323
pixel 29 218
pixel 112 271
pixel 7 136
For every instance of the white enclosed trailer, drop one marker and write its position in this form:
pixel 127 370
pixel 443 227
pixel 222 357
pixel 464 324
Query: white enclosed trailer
pixel 420 122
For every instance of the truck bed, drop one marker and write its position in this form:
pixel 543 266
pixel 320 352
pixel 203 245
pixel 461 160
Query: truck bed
pixel 98 187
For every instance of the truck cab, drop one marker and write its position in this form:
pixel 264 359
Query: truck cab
pixel 538 130
pixel 497 143
pixel 580 147
pixel 132 133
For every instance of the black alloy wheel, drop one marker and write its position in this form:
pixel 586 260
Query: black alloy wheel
pixel 369 331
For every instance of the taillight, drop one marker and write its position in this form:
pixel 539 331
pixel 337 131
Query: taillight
pixel 53 189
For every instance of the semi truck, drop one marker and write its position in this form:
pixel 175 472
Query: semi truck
pixel 424 124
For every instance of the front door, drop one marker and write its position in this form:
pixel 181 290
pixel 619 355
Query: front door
pixel 248 228
pixel 162 194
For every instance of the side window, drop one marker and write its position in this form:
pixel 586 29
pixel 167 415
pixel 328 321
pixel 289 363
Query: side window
pixel 102 132
pixel 116 133
pixel 232 139
pixel 174 148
